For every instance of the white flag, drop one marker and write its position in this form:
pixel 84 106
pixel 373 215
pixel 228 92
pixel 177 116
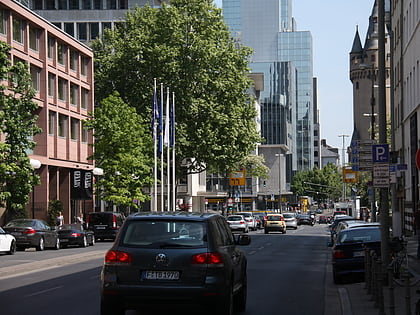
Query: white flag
pixel 166 134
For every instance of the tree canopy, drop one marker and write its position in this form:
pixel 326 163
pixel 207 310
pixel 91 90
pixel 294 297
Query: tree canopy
pixel 187 47
pixel 120 146
pixel 18 125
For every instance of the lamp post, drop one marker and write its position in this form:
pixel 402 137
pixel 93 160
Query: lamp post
pixel 280 205
pixel 343 162
pixel 97 172
pixel 35 164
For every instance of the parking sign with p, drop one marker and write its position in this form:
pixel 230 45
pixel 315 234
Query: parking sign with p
pixel 380 153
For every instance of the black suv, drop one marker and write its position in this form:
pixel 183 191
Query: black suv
pixel 105 225
pixel 167 259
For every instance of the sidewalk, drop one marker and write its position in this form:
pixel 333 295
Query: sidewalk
pixel 362 303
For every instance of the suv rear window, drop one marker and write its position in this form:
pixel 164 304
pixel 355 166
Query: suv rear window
pixel 274 218
pixel 100 218
pixel 164 234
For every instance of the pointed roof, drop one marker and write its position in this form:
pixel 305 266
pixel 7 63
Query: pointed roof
pixel 372 35
pixel 357 44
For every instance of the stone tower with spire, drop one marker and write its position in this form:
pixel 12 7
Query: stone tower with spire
pixel 363 75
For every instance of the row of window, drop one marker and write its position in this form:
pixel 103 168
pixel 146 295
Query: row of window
pixel 84 31
pixel 79 4
pixel 58 124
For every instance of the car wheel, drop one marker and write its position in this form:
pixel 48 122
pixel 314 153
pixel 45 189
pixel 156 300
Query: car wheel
pixel 284 231
pixel 241 296
pixel 12 249
pixel 41 245
pixel 84 242
pixel 92 242
pixel 109 307
pixel 226 307
pixel 57 244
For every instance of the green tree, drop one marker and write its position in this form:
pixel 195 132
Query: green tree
pixel 17 124
pixel 122 151
pixel 320 184
pixel 185 45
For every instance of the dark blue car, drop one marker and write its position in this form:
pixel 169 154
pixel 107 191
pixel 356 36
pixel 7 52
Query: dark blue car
pixel 348 251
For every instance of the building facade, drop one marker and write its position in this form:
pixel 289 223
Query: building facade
pixel 405 128
pixel 62 74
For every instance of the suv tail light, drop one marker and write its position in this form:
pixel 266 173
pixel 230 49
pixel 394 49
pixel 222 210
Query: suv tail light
pixel 114 221
pixel 29 231
pixel 339 254
pixel 207 258
pixel 116 257
pixel 76 234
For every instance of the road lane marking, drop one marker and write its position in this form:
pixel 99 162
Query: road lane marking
pixel 44 291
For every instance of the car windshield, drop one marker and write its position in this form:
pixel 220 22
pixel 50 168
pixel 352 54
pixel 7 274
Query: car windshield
pixel 360 235
pixel 164 234
pixel 274 218
pixel 20 223
pixel 288 215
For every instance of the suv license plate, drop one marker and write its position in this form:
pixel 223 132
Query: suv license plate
pixel 161 275
pixel 359 254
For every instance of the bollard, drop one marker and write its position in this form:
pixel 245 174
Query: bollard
pixel 391 291
pixel 381 278
pixel 368 271
pixel 406 277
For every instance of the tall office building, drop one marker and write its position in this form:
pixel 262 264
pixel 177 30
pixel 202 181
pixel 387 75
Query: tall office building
pixel 284 55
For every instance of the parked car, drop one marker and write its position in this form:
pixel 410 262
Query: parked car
pixel 291 220
pixel 7 242
pixel 348 250
pixel 305 219
pixel 275 222
pixel 33 233
pixel 335 223
pixel 249 217
pixel 161 259
pixel 105 225
pixel 322 219
pixel 75 234
pixel 237 223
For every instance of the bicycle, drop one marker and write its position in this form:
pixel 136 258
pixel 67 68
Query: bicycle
pixel 399 256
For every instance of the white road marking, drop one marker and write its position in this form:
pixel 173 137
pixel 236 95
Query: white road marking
pixel 44 291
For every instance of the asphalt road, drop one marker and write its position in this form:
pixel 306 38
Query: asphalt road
pixel 286 275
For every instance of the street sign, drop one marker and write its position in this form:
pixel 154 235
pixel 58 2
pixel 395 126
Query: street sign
pixel 381 175
pixel 380 153
pixel 237 178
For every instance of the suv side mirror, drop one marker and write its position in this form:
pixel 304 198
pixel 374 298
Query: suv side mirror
pixel 243 239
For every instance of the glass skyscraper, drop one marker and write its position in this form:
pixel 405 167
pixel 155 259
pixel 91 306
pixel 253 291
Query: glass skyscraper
pixel 284 56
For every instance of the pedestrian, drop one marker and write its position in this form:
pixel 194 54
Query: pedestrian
pixel 79 218
pixel 60 219
pixel 417 230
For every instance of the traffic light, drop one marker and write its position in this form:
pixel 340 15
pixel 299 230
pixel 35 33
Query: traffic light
pixel 264 183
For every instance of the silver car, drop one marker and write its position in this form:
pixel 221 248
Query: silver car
pixel 291 220
pixel 237 223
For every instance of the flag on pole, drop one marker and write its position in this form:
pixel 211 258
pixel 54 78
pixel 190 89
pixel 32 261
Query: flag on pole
pixel 172 122
pixel 160 127
pixel 166 134
pixel 155 113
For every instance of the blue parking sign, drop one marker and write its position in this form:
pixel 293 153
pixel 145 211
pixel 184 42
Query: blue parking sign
pixel 380 153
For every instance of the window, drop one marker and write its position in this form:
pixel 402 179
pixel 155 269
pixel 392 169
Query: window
pixel 74 5
pixel 82 31
pixel 50 4
pixel 111 4
pixel 123 4
pixel 94 30
pixel 62 89
pixel 73 60
pixel 17 30
pixel 51 44
pixel 35 76
pixel 74 129
pixel 86 5
pixel 74 94
pixel 61 53
pixel 97 4
pixel 84 98
pixel 37 4
pixel 51 85
pixel 69 28
pixel 84 68
pixel 105 26
pixel 33 38
pixel 62 125
pixel 84 133
pixel 2 21
pixel 52 122
pixel 62 4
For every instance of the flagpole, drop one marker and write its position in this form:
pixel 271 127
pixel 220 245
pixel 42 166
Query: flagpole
pixel 154 147
pixel 168 160
pixel 173 154
pixel 162 205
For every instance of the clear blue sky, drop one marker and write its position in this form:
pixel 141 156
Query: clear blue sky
pixel 333 26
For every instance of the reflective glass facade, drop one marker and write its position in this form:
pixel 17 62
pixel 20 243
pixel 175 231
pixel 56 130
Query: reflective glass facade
pixel 269 29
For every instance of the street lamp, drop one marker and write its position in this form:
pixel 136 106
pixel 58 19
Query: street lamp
pixel 343 162
pixel 35 164
pixel 280 205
